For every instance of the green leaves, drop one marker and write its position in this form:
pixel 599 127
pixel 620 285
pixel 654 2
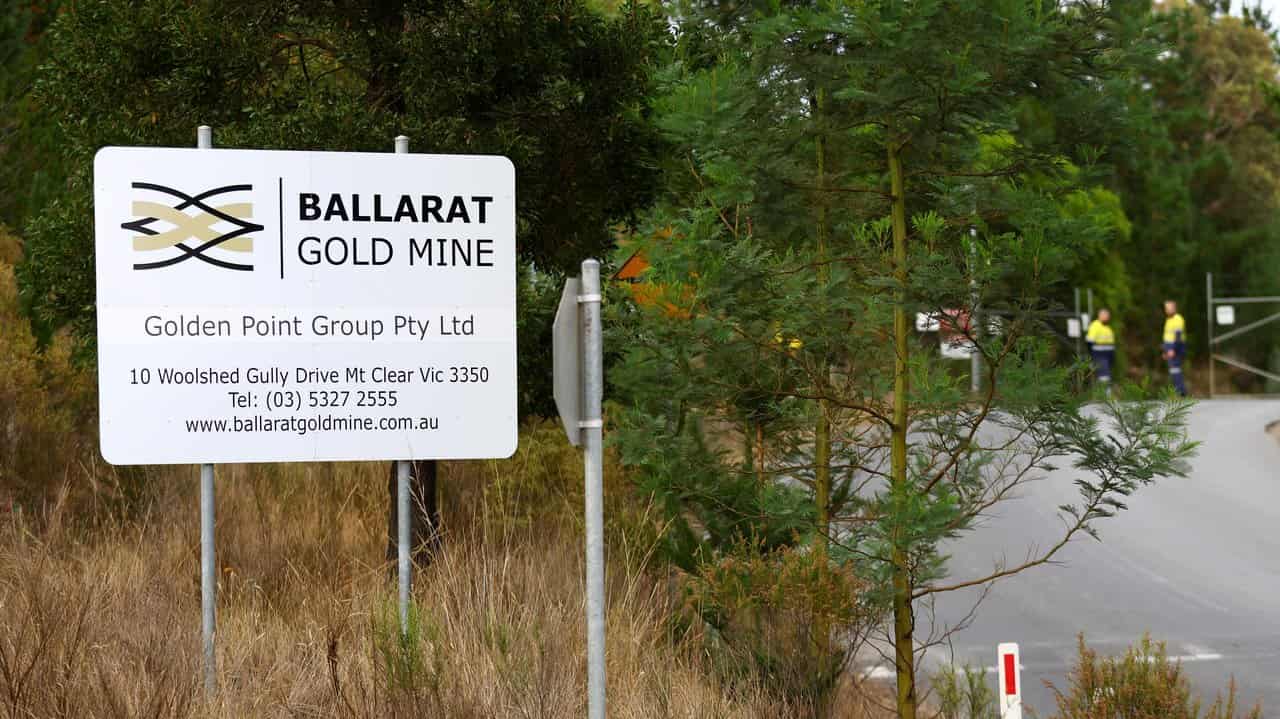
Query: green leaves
pixel 775 240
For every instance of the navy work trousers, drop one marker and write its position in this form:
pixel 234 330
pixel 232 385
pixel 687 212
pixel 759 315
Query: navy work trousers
pixel 1175 374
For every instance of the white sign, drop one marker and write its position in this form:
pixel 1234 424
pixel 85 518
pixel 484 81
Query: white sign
pixel 288 306
pixel 926 322
pixel 1010 677
pixel 1073 327
pixel 957 348
pixel 1226 314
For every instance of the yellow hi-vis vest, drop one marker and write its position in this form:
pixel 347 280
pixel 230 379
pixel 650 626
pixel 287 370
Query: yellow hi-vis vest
pixel 1175 331
pixel 1101 336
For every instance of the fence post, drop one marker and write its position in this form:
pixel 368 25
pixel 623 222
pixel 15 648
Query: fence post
pixel 1208 292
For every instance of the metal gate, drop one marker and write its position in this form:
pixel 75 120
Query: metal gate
pixel 1222 312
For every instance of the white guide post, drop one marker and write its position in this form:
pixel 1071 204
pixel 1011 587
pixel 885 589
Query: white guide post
pixel 1010 670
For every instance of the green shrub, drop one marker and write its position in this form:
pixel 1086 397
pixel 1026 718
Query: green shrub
pixel 963 693
pixel 770 618
pixel 1142 684
pixel 403 655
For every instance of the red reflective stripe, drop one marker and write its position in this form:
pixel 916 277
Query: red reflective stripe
pixel 1010 680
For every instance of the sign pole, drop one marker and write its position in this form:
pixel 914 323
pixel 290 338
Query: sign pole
pixel 208 551
pixel 404 519
pixel 593 454
pixel 208 578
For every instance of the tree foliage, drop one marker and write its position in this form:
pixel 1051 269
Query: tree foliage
pixel 30 170
pixel 838 169
pixel 1197 170
pixel 558 88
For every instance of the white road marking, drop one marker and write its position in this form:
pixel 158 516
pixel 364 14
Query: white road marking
pixel 1203 657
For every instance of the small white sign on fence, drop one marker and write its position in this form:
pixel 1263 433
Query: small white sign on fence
pixel 1226 314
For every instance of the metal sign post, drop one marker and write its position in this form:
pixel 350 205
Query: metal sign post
pixel 578 362
pixel 208 551
pixel 404 520
pixel 592 429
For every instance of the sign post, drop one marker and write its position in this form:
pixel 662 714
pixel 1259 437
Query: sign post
pixel 208 579
pixel 208 547
pixel 404 518
pixel 578 362
pixel 592 425
pixel 1010 671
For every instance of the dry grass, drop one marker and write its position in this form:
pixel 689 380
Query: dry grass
pixel 101 619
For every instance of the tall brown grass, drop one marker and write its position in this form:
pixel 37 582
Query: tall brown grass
pixel 101 618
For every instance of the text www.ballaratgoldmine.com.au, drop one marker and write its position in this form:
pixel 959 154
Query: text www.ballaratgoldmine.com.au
pixel 307 425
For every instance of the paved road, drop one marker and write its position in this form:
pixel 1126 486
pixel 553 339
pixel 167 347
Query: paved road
pixel 1195 562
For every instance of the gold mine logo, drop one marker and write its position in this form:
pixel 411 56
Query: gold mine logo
pixel 174 233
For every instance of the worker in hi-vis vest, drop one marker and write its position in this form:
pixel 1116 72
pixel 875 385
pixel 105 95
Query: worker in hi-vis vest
pixel 1175 345
pixel 1102 348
